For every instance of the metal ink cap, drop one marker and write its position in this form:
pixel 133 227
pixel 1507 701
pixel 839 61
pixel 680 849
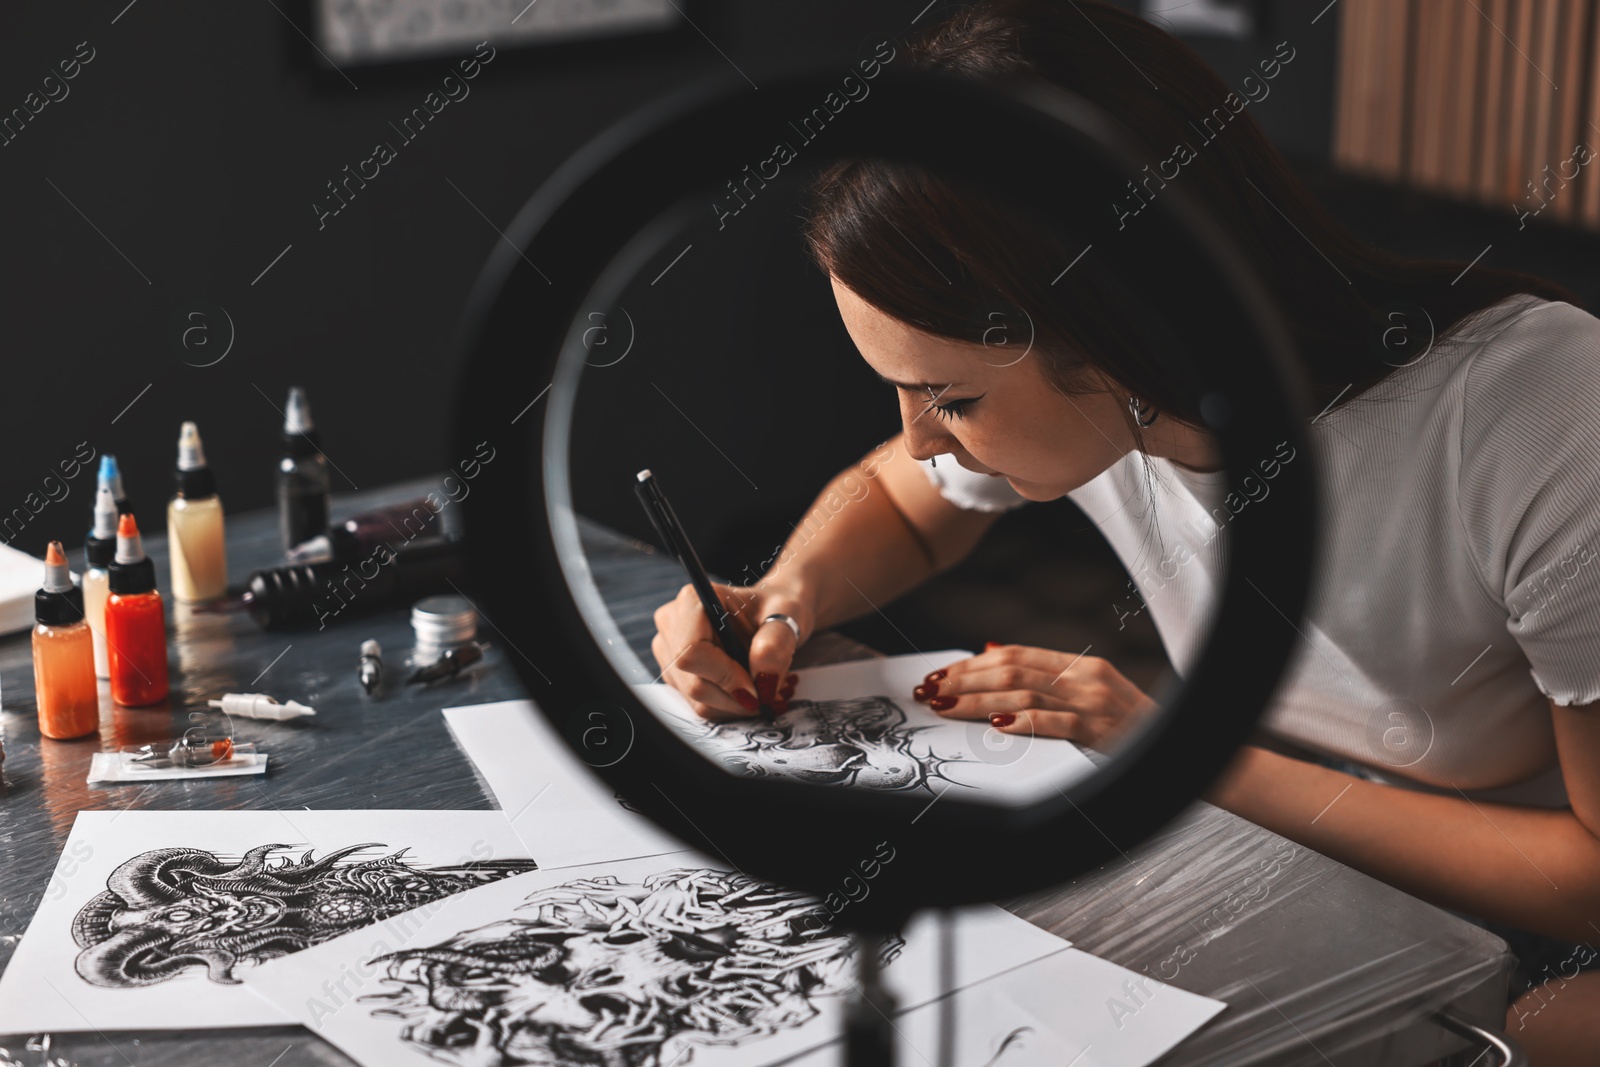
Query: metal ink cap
pixel 444 620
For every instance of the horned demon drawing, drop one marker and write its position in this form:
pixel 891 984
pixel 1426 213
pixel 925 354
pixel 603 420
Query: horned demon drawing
pixel 173 910
pixel 863 742
pixel 604 973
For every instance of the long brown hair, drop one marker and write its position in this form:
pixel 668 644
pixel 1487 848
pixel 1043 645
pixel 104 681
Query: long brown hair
pixel 944 260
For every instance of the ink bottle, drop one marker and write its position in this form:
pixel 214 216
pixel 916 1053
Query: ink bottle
pixel 99 549
pixel 136 624
pixel 63 655
pixel 194 526
pixel 302 475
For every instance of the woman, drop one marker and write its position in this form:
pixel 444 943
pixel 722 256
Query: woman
pixel 1448 687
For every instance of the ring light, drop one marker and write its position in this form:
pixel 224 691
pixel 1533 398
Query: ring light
pixel 591 228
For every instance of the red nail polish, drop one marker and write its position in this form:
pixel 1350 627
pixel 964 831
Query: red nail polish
pixel 746 699
pixel 936 676
pixel 942 703
pixel 786 692
pixel 926 691
pixel 780 706
pixel 1001 719
pixel 766 686
pixel 792 681
pixel 987 645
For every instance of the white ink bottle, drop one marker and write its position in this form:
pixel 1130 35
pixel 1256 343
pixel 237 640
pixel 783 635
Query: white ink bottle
pixel 99 549
pixel 194 526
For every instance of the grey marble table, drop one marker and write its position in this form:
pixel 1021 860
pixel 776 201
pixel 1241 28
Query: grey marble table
pixel 1317 963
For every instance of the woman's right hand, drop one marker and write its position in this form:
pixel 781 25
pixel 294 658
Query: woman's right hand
pixel 693 662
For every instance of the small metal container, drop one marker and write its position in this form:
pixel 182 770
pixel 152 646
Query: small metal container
pixel 442 622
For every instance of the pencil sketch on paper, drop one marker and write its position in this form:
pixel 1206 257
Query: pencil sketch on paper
pixel 865 742
pixel 1017 1037
pixel 172 910
pixel 621 974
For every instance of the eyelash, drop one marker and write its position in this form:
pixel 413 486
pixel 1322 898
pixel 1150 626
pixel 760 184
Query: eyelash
pixel 955 409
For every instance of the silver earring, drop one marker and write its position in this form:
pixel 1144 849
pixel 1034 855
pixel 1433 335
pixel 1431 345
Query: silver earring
pixel 1136 408
pixel 933 460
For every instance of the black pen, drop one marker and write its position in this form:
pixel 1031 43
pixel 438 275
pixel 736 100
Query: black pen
pixel 671 532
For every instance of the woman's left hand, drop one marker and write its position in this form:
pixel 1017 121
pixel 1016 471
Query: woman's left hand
pixel 1025 690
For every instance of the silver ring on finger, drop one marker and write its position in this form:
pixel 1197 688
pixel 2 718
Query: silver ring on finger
pixel 787 621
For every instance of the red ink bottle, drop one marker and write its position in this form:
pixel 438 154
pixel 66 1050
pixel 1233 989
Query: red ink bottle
pixel 136 623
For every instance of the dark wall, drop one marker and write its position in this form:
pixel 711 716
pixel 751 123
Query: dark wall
pixel 188 155
pixel 1296 107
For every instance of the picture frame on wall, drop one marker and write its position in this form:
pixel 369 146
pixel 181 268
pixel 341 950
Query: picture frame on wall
pixel 361 33
pixel 1234 19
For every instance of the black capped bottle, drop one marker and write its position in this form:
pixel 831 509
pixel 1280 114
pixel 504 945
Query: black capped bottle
pixel 302 475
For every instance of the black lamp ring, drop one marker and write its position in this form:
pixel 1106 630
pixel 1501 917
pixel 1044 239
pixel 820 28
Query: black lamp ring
pixel 523 329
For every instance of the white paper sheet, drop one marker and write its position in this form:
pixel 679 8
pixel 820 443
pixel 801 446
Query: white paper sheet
pixel 1070 1009
pixel 856 724
pixel 118 912
pixel 564 813
pixel 675 957
pixel 20 577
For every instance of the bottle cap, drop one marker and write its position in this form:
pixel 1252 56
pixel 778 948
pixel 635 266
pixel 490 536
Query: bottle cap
pixel 318 549
pixel 130 546
pixel 111 476
pixel 194 478
pixel 131 570
pixel 191 453
pixel 299 432
pixel 444 620
pixel 58 602
pixel 100 547
pixel 297 412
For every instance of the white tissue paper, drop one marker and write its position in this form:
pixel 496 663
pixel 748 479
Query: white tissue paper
pixel 20 577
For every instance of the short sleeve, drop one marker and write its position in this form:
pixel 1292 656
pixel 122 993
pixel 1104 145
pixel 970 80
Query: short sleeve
pixel 969 489
pixel 1529 490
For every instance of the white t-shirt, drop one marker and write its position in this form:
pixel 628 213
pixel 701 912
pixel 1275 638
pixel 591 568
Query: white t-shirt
pixel 1458 588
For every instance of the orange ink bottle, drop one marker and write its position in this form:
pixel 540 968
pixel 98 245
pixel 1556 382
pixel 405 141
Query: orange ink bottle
pixel 63 655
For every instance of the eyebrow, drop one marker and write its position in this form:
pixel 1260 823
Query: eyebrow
pixel 931 387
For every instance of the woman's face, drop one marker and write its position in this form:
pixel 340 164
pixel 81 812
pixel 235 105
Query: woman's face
pixel 995 412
